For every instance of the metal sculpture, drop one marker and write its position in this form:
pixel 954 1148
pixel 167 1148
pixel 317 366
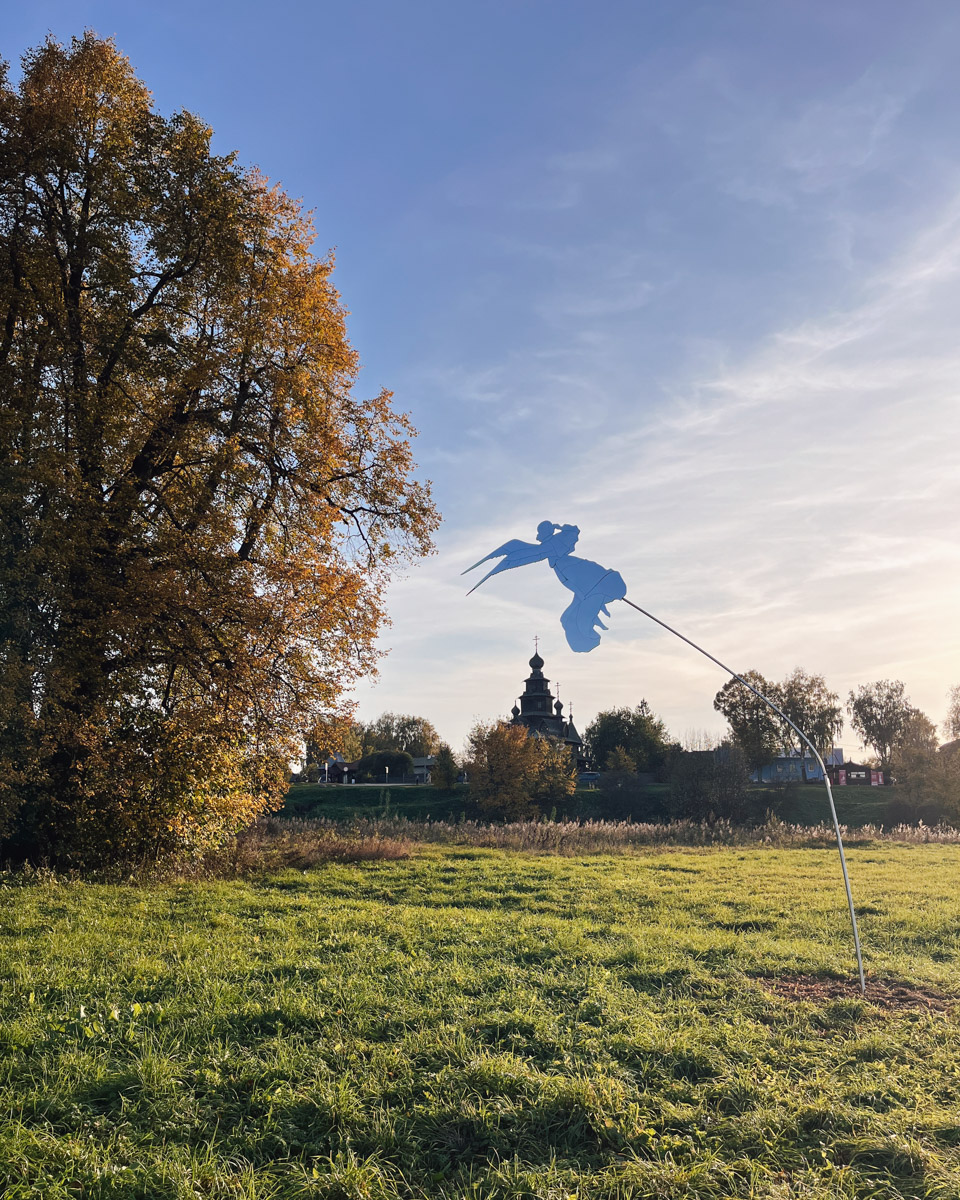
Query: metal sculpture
pixel 593 588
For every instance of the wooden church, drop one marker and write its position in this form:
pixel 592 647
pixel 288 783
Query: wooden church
pixel 543 715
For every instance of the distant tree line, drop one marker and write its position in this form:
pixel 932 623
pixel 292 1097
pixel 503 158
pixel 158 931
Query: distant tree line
pixel 389 743
pixel 644 773
pixel 903 740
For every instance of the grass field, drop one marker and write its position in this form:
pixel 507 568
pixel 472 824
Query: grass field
pixel 475 1023
pixel 803 804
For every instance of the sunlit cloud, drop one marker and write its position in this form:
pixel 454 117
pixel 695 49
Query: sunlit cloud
pixel 797 506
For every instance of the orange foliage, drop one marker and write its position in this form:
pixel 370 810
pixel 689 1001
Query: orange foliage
pixel 197 514
pixel 513 775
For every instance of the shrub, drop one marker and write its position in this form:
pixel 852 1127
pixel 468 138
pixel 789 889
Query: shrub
pixel 714 783
pixel 600 837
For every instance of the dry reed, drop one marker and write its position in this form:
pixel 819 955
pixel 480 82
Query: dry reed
pixel 273 844
pixel 606 837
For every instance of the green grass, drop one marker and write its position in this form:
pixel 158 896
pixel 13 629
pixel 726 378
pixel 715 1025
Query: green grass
pixel 472 1023
pixel 806 804
pixel 343 802
pixel 801 804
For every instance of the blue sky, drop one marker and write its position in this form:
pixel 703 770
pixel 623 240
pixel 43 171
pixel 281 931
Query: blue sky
pixel 686 275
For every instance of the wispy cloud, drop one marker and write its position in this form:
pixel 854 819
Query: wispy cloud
pixel 795 506
pixel 826 145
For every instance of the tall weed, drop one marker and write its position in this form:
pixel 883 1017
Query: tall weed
pixel 594 837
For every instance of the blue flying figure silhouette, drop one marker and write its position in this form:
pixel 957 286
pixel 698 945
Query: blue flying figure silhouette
pixel 593 586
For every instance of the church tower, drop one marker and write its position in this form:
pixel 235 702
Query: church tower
pixel 541 714
pixel 536 704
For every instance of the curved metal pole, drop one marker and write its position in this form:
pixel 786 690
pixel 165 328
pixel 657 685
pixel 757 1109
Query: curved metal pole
pixel 826 779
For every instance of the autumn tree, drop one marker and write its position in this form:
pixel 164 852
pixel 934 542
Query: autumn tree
pixel 951 726
pixel 927 775
pixel 810 704
pixel 638 732
pixel 755 727
pixel 197 513
pixel 555 773
pixel 412 735
pixel 499 769
pixel 444 772
pixel 879 713
pixel 515 775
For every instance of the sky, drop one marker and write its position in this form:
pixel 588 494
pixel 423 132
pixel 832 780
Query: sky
pixel 686 275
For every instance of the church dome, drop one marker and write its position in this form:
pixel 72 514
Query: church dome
pixel 536 662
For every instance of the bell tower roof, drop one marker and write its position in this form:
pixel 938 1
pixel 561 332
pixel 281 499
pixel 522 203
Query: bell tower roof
pixel 542 714
pixel 537 702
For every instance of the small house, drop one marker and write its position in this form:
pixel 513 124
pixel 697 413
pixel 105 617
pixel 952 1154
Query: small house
pixel 851 774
